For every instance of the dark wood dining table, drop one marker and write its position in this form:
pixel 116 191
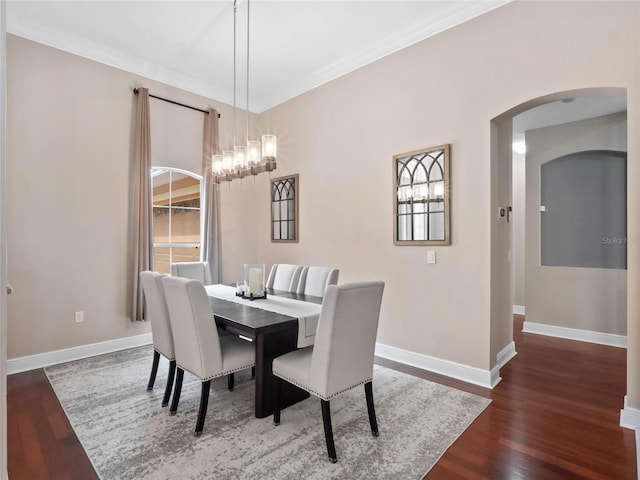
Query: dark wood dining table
pixel 273 334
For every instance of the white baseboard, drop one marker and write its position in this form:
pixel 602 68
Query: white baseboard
pixel 518 309
pixel 40 360
pixel 506 354
pixel 576 334
pixel 459 371
pixel 502 358
pixel 629 416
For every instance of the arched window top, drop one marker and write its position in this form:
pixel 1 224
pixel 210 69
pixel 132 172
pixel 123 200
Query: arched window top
pixel 155 171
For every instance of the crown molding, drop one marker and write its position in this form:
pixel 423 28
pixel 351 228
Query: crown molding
pixel 138 66
pixel 385 47
pixel 113 58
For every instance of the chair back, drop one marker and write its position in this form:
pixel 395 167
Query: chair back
pixel 156 312
pixel 195 335
pixel 284 276
pixel 195 270
pixel 315 280
pixel 346 337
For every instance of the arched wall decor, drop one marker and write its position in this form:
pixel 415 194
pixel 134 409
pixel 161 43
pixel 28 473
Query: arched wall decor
pixel 421 197
pixel 284 209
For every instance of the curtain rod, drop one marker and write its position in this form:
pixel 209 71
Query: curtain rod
pixel 135 92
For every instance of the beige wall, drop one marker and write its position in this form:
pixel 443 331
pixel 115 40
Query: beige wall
pixel 519 189
pixel 3 233
pixel 501 313
pixel 340 138
pixel 591 299
pixel 69 164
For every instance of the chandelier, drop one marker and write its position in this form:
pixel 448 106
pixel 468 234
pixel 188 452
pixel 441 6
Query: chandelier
pixel 255 157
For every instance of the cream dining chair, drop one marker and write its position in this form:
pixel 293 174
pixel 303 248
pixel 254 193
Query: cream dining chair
pixel 198 271
pixel 284 276
pixel 195 270
pixel 198 347
pixel 342 356
pixel 156 313
pixel 315 280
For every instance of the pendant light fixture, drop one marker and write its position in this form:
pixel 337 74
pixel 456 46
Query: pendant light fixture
pixel 254 157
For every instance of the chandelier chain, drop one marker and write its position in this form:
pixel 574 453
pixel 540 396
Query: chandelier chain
pixel 234 73
pixel 248 11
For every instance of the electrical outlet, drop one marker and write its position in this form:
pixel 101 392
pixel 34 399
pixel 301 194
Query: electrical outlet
pixel 79 317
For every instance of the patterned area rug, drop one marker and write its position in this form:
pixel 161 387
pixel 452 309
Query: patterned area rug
pixel 128 435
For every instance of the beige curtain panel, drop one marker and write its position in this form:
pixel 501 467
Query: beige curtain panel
pixel 211 240
pixel 142 203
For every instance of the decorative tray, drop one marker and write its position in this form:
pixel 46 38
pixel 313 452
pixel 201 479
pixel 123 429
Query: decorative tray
pixel 251 296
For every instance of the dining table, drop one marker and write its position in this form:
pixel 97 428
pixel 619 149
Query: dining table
pixel 278 324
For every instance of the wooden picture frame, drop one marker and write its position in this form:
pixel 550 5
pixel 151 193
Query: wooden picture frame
pixel 285 217
pixel 421 197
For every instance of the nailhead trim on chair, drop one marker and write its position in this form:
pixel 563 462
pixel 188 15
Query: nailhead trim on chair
pixel 316 393
pixel 226 372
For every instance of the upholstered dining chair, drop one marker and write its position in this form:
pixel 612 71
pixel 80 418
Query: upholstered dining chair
pixel 198 347
pixel 315 280
pixel 195 270
pixel 342 356
pixel 284 276
pixel 157 314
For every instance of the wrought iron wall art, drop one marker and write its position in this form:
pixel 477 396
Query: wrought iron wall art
pixel 284 209
pixel 421 197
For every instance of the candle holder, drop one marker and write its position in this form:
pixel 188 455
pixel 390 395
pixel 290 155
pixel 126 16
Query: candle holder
pixel 254 284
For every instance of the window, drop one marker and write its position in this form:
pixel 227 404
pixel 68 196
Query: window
pixel 284 209
pixel 421 197
pixel 176 217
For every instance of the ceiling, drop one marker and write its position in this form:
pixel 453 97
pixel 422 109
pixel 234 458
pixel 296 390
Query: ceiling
pixel 565 111
pixel 295 45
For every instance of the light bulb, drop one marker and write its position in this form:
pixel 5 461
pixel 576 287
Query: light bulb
pixel 269 147
pixel 216 164
pixel 227 160
pixel 240 157
pixel 253 152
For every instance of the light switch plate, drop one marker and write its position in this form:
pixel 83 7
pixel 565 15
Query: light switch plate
pixel 431 256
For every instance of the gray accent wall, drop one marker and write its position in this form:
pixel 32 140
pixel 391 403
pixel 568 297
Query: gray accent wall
pixel 585 298
pixel 584 223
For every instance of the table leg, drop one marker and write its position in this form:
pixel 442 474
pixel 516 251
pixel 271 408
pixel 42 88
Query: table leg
pixel 268 347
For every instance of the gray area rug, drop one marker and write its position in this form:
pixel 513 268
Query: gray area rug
pixel 128 435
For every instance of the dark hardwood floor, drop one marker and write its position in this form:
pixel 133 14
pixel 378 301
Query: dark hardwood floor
pixel 41 442
pixel 554 415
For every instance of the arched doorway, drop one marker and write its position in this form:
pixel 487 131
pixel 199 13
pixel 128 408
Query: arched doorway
pixel 502 272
